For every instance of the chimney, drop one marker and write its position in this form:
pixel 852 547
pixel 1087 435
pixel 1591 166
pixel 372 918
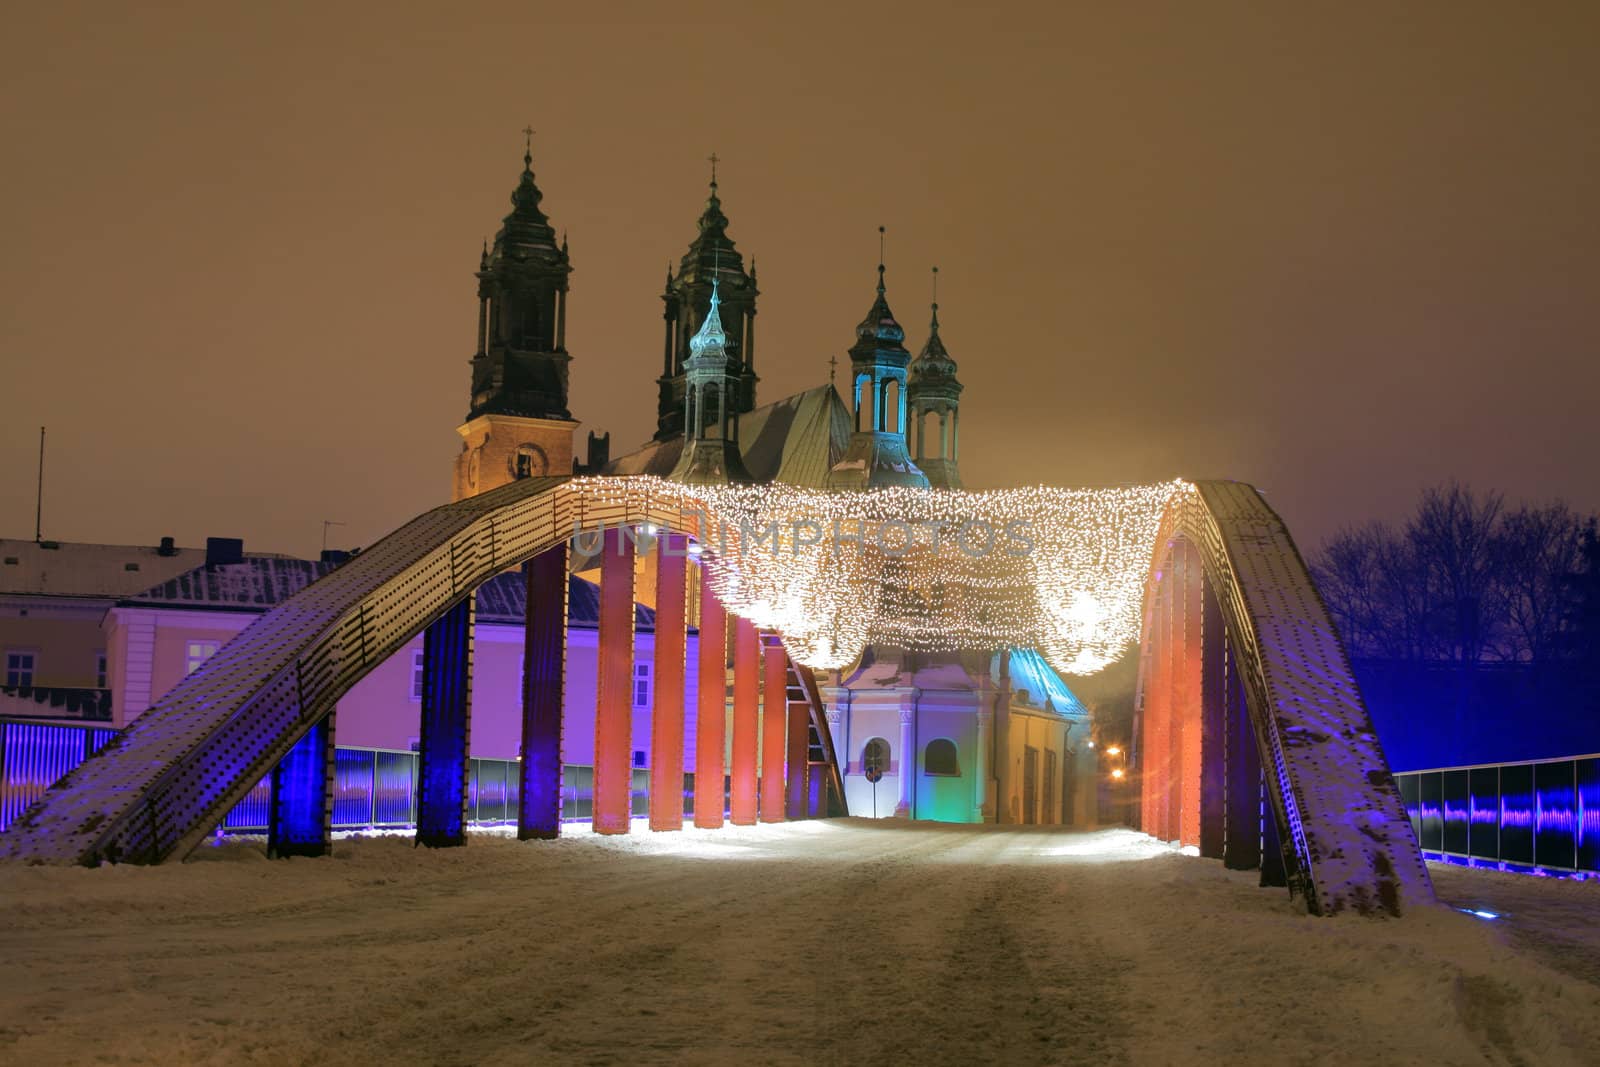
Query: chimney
pixel 221 551
pixel 169 547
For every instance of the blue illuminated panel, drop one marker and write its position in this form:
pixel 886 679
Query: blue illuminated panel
pixel 1554 817
pixel 394 788
pixel 250 815
pixel 1588 776
pixel 1430 807
pixel 1516 814
pixel 1454 797
pixel 489 778
pixel 352 788
pixel 1484 812
pixel 1410 797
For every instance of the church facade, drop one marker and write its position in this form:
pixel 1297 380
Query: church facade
pixel 956 737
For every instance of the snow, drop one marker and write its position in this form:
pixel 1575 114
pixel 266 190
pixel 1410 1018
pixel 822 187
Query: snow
pixel 840 941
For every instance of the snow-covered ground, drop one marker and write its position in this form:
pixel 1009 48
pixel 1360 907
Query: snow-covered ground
pixel 841 942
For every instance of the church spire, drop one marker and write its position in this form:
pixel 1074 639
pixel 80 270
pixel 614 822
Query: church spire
pixel 877 454
pixel 517 424
pixel 933 390
pixel 710 453
pixel 687 297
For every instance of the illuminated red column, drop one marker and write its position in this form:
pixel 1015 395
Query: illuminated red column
pixel 711 712
pixel 1173 802
pixel 774 726
pixel 746 720
pixel 666 713
pixel 613 765
pixel 1157 696
pixel 1191 666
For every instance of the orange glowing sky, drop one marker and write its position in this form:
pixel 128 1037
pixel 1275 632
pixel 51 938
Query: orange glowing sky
pixel 1341 253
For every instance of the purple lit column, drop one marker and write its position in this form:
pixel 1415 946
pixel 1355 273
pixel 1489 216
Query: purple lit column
pixel 544 672
pixel 300 815
pixel 443 764
pixel 613 718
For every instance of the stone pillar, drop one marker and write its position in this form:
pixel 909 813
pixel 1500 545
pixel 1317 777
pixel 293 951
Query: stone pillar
pixel 613 719
pixel 1086 805
pixel 983 758
pixel 908 761
pixel 711 714
pixel 666 713
pixel 443 764
pixel 1002 742
pixel 544 674
pixel 746 720
pixel 774 726
pixel 300 817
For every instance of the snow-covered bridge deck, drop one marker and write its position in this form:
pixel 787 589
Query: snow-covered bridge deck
pixel 831 942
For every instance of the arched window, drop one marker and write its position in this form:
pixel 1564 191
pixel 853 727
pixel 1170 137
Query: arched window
pixel 939 759
pixel 889 421
pixel 875 755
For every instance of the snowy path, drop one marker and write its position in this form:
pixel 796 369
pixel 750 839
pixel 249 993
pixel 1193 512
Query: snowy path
pixel 841 943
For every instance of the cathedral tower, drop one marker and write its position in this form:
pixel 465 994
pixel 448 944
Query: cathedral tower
pixel 711 257
pixel 518 425
pixel 877 451
pixel 711 441
pixel 935 398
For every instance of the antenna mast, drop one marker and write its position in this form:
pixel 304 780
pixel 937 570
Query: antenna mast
pixel 38 508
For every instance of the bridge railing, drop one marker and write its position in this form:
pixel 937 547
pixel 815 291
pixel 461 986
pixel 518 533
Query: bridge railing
pixel 373 788
pixel 1532 816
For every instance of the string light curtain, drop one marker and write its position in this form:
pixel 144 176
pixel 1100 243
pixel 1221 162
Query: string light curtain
pixel 931 570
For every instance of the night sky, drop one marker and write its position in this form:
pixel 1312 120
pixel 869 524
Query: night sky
pixel 1342 254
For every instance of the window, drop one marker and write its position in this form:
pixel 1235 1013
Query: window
pixel 195 653
pixel 939 759
pixel 641 685
pixel 639 758
pixel 875 756
pixel 416 677
pixel 19 668
pixel 100 677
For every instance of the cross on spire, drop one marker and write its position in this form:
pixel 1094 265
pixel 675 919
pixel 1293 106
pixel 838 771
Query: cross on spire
pixel 713 159
pixel 882 241
pixel 527 153
pixel 833 363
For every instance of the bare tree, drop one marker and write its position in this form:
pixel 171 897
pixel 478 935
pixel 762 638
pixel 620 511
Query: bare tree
pixel 1453 538
pixel 1539 551
pixel 1465 582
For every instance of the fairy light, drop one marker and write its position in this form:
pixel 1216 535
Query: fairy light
pixel 932 570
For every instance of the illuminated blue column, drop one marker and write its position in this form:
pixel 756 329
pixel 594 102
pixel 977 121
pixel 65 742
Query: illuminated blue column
pixel 544 675
pixel 300 816
pixel 446 706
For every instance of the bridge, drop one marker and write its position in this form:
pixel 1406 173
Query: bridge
pixel 1246 699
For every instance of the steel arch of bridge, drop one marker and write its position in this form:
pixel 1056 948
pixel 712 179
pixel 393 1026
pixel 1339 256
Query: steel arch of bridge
pixel 1247 703
pixel 175 772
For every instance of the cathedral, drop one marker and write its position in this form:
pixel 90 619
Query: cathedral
pixel 957 737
